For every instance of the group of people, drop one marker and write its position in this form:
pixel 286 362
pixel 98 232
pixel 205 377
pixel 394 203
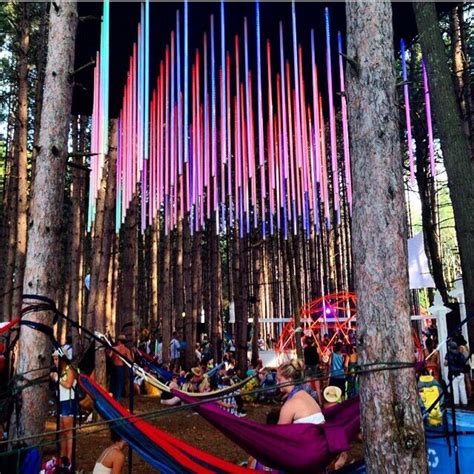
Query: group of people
pixel 329 366
pixel 457 361
pixel 335 360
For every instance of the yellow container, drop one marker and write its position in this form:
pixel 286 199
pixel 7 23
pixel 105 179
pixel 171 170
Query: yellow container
pixel 151 390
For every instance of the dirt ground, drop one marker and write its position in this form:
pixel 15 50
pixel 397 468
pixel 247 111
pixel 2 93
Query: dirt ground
pixel 185 425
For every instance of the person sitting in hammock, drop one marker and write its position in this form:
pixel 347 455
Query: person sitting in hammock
pixel 168 398
pixel 300 406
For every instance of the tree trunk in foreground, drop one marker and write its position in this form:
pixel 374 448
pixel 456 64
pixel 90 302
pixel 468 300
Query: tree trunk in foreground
pixel 42 258
pixel 454 143
pixel 22 204
pixel 391 421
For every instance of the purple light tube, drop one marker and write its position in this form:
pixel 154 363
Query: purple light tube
pixel 406 95
pixel 332 117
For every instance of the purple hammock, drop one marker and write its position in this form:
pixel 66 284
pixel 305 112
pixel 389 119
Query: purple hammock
pixel 304 447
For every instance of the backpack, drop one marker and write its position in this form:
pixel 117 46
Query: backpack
pixel 429 391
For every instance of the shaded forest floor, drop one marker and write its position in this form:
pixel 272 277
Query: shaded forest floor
pixel 185 425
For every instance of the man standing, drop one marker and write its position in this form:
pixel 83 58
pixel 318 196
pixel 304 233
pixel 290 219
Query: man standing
pixel 175 351
pixel 456 362
pixel 117 380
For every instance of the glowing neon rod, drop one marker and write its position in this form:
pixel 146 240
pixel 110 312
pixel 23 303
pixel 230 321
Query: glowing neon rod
pixel 283 102
pixel 186 83
pixel 167 127
pixel 324 169
pixel 345 127
pixel 172 111
pixel 271 139
pixel 429 123
pixel 304 122
pixel 198 130
pixel 238 155
pixel 150 181
pixel 193 125
pixel 104 77
pixel 229 140
pixel 140 96
pixel 237 187
pixel 270 171
pixel 406 95
pixel 207 133
pixel 201 166
pixel 223 102
pixel 261 138
pixel 292 193
pixel 296 73
pixel 316 139
pixel 214 124
pixel 134 140
pixel 147 79
pixel 143 196
pixel 223 85
pixel 223 149
pixel 332 119
pixel 161 120
pixel 245 174
pixel 282 148
pixel 247 94
pixel 252 157
pixel 178 95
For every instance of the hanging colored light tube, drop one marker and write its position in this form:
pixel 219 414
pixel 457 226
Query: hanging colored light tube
pixel 406 96
pixel 345 126
pixel 429 123
pixel 332 120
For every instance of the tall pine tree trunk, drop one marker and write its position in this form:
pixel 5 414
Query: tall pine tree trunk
pixel 155 262
pixel 216 289
pixel 454 143
pixel 41 276
pixel 461 63
pixel 166 312
pixel 22 204
pixel 10 220
pixel 188 295
pixel 128 261
pixel 391 422
pixel 101 323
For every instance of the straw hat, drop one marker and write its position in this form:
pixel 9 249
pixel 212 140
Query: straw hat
pixel 332 394
pixel 196 371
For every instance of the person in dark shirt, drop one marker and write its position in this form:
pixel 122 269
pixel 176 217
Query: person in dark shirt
pixel 456 362
pixel 311 361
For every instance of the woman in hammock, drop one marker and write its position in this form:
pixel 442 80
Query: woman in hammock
pixel 300 406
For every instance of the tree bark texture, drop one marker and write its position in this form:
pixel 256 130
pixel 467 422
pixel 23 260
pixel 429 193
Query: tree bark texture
pixel 391 421
pixel 461 63
pixel 22 196
pixel 454 143
pixel 10 221
pixel 128 261
pixel 101 323
pixel 41 275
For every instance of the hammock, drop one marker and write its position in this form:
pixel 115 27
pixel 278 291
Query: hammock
pixel 4 327
pixel 295 448
pixel 150 363
pixel 164 452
